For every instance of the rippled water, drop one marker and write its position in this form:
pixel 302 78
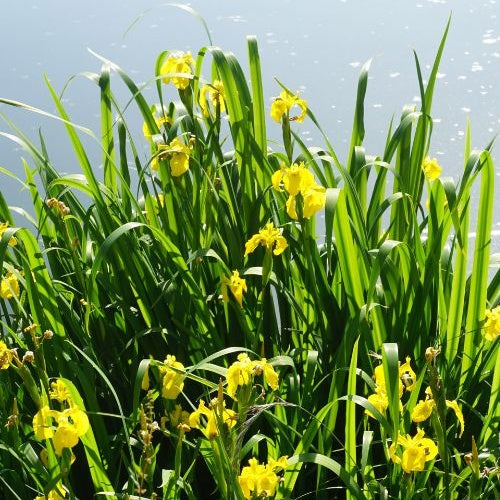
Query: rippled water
pixel 317 48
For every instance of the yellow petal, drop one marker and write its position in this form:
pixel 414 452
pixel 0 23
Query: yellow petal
pixel 458 412
pixel 270 376
pixel 431 168
pixel 413 459
pixel 179 164
pixel 392 453
pixel 173 378
pixel 80 420
pixel 380 401
pixel 252 243
pixel 64 437
pixel 303 106
pixel 422 410
pixel 291 207
pixel 407 375
pixel 281 245
pixel 314 200
pixel 276 179
pixel 203 99
pixel 491 329
pixel 43 423
pixel 6 356
pixel 278 109
pixel 9 287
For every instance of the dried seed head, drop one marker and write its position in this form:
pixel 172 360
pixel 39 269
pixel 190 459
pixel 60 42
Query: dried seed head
pixel 28 357
pixel 431 353
pixel 48 334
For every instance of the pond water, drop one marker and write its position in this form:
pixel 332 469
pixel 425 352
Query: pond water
pixel 318 50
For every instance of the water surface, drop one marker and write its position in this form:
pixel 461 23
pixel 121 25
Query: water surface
pixel 317 48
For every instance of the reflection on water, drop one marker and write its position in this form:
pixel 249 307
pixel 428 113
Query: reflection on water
pixel 317 49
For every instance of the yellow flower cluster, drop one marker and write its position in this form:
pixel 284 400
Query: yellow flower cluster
pixel 63 427
pixel 3 228
pixel 242 372
pixel 431 168
pixel 423 409
pixel 173 377
pixel 9 287
pixel 237 286
pixel 268 237
pixel 492 324
pixel 406 381
pixel 178 70
pixel 306 197
pixel 6 356
pixel 177 153
pixel 259 480
pixel 416 451
pixel 282 105
pixel 210 420
pixel 216 95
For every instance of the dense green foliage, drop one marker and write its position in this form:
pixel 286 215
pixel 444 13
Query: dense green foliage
pixel 120 266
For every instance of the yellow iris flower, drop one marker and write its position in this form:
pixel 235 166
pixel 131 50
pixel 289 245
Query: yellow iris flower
pixel 237 286
pixel 431 168
pixel 177 153
pixel 12 239
pixel 492 324
pixel 407 381
pixel 9 287
pixel 64 427
pixel 176 66
pixel 270 238
pixel 298 181
pixel 282 105
pixel 296 178
pixel 216 95
pixel 242 372
pixel 416 451
pixel 207 419
pixel 259 480
pixel 173 377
